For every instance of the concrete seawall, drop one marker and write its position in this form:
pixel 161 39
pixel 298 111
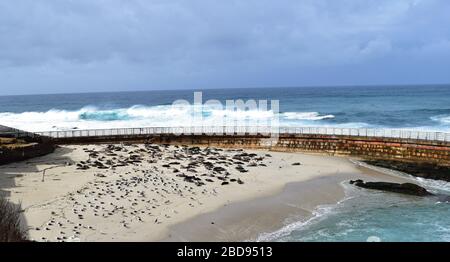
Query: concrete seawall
pixel 415 150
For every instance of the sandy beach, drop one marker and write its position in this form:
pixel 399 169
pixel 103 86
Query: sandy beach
pixel 249 220
pixel 170 193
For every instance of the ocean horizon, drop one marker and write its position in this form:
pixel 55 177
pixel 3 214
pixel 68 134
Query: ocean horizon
pixel 422 108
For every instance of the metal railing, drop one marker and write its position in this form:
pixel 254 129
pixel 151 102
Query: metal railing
pixel 253 130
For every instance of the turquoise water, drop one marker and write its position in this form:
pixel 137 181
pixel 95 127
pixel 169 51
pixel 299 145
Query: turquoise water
pixel 412 107
pixel 368 215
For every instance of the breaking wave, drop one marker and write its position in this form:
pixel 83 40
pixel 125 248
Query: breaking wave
pixel 91 117
pixel 305 116
pixel 444 119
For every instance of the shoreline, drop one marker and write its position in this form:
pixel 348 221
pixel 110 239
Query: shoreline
pixel 146 200
pixel 246 220
pixel 249 220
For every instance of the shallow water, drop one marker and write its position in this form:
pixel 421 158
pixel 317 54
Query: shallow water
pixel 369 215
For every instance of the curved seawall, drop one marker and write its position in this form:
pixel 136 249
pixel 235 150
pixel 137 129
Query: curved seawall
pixel 416 150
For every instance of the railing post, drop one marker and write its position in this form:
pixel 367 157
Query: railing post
pixel 387 133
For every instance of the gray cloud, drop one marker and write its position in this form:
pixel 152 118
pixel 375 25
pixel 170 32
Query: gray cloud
pixel 55 46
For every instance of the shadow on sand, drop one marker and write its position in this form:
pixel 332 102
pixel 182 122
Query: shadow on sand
pixel 9 175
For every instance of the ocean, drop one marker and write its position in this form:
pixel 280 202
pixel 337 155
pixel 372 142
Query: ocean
pixel 411 107
pixel 362 216
pixel 375 216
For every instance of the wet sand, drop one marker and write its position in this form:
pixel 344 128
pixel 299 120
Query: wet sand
pixel 247 220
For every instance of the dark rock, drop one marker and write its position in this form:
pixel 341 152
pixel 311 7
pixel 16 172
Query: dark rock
pixel 208 165
pixel 83 167
pixel 352 182
pixel 98 163
pixel 425 170
pixel 219 169
pixel 93 155
pixel 296 164
pixel 405 188
pixel 194 150
pixel 241 169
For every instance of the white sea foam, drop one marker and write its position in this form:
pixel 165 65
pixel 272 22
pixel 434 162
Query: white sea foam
pixel 444 119
pixel 305 116
pixel 436 186
pixel 91 117
pixel 319 213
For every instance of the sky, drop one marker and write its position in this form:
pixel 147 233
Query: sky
pixel 69 46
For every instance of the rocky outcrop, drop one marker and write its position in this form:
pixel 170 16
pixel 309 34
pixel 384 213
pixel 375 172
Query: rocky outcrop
pixel 418 169
pixel 405 188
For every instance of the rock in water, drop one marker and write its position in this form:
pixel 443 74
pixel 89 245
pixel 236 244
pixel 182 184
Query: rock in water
pixel 405 188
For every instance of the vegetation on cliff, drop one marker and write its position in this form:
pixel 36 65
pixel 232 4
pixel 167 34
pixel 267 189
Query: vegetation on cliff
pixel 11 143
pixel 10 228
